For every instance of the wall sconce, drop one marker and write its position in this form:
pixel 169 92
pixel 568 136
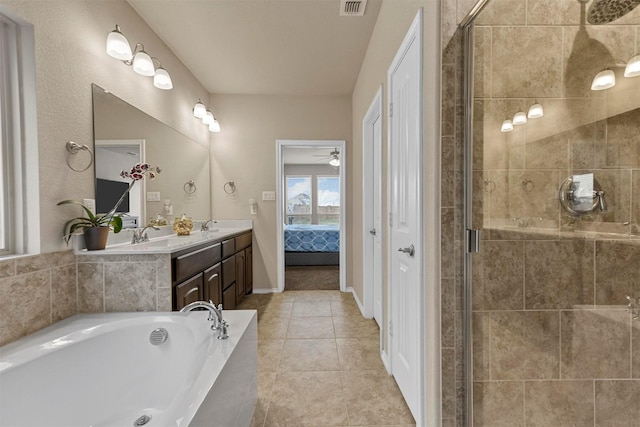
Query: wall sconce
pixel 507 126
pixel 118 47
pixel 520 118
pixel 605 79
pixel 633 67
pixel 200 111
pixel 535 111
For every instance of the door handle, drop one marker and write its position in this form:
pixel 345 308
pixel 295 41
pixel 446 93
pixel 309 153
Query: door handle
pixel 410 250
pixel 372 232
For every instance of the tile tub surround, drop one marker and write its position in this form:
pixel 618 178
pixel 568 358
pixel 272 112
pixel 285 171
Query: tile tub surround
pixel 36 291
pixel 319 363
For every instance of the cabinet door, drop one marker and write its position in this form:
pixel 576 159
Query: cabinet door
pixel 213 284
pixel 189 291
pixel 229 298
pixel 240 274
pixel 248 278
pixel 228 272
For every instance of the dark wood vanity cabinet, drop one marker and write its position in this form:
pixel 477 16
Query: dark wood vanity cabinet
pixel 220 271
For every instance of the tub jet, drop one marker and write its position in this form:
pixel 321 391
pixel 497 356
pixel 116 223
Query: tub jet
pixel 144 419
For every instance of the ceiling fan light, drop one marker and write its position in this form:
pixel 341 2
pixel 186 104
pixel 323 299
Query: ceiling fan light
pixel 520 118
pixel 118 46
pixel 335 162
pixel 143 65
pixel 162 79
pixel 208 118
pixel 633 67
pixel 605 79
pixel 535 111
pixel 507 126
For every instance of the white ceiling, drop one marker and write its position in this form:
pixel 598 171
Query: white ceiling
pixel 281 47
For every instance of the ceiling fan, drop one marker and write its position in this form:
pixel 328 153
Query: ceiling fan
pixel 333 157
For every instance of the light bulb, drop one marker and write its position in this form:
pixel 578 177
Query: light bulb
pixel 605 79
pixel 535 111
pixel 520 118
pixel 143 65
pixel 335 162
pixel 162 79
pixel 118 45
pixel 215 126
pixel 633 67
pixel 199 111
pixel 507 126
pixel 208 118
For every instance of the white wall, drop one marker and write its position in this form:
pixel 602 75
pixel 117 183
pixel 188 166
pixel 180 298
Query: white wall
pixel 245 152
pixel 70 37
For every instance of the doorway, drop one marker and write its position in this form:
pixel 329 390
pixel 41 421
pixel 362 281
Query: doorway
pixel 310 199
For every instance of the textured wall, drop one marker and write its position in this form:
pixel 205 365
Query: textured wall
pixel 70 37
pixel 245 152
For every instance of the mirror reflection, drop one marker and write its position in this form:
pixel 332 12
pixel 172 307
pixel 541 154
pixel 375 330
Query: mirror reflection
pixel 123 136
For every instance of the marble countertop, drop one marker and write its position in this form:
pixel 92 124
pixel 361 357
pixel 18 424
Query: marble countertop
pixel 161 242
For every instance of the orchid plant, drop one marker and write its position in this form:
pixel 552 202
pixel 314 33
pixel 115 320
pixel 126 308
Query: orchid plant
pixel 109 219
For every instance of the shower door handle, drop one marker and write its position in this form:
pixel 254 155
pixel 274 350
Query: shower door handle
pixel 411 250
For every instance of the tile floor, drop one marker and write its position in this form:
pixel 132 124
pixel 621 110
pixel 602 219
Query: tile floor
pixel 319 364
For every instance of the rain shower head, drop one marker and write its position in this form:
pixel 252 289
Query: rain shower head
pixel 605 11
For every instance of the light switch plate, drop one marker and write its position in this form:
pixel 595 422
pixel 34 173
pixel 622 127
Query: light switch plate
pixel 268 195
pixel 153 196
pixel 90 204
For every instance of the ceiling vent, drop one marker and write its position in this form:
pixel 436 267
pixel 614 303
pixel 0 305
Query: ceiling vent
pixel 352 7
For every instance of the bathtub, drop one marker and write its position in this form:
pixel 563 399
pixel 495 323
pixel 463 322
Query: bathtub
pixel 102 370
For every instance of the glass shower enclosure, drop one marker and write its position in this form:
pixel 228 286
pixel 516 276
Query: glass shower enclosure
pixel 552 297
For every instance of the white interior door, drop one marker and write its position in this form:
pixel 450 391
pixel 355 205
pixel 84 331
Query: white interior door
pixel 372 210
pixel 405 219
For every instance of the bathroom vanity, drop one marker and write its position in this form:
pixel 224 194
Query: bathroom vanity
pixel 167 272
pixel 219 270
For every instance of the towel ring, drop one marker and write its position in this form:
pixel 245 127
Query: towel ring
pixel 74 148
pixel 229 187
pixel 190 187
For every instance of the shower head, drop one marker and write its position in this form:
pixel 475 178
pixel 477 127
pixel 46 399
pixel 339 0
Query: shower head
pixel 605 11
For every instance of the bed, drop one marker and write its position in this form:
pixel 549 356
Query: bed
pixel 312 244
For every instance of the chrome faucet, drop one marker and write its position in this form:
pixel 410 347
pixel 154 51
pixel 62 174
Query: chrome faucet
pixel 205 225
pixel 215 316
pixel 140 235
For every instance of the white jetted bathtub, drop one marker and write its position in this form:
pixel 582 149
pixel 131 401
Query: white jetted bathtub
pixel 103 370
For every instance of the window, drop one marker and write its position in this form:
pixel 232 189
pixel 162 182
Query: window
pixel 299 200
pixel 328 200
pixel 19 198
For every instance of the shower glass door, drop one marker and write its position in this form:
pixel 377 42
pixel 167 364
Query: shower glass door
pixel 555 172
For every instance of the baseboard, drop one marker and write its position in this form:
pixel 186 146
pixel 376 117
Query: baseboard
pixel 385 361
pixel 360 306
pixel 265 291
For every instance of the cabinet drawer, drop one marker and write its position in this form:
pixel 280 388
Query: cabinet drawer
pixel 193 262
pixel 213 284
pixel 228 247
pixel 243 241
pixel 189 291
pixel 228 272
pixel 229 298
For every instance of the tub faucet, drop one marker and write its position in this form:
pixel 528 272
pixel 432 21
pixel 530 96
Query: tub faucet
pixel 205 225
pixel 215 316
pixel 140 235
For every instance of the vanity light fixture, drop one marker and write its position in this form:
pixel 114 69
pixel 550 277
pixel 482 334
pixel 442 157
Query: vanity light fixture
pixel 200 111
pixel 507 126
pixel 520 118
pixel 633 67
pixel 605 79
pixel 535 111
pixel 118 47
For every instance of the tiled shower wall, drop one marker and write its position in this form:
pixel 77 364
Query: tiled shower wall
pixel 39 290
pixel 553 341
